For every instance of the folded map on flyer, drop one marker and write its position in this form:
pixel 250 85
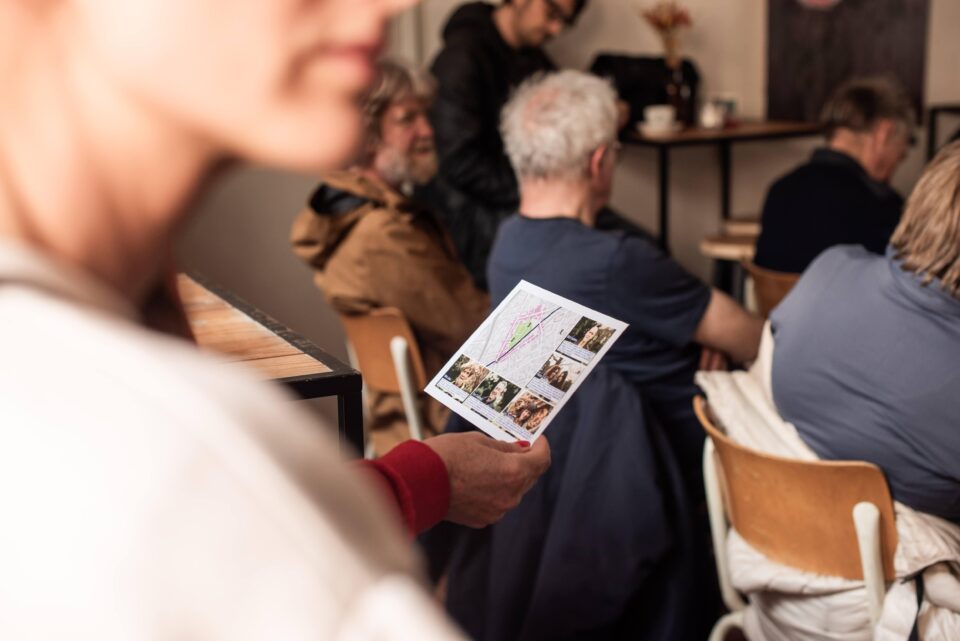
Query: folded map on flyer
pixel 516 372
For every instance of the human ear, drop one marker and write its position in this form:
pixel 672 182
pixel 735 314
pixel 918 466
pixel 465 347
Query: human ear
pixel 596 161
pixel 883 131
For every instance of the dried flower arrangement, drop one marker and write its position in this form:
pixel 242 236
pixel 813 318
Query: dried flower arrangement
pixel 667 18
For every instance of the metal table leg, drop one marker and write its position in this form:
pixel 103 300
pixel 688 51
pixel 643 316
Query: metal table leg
pixel 350 416
pixel 725 171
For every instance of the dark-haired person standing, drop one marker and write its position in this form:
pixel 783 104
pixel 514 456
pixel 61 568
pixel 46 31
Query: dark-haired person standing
pixel 487 51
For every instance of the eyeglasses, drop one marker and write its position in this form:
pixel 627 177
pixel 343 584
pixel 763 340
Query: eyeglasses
pixel 556 14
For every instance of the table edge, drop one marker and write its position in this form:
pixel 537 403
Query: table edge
pixel 337 367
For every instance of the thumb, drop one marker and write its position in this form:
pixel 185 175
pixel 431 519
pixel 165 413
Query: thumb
pixel 503 446
pixel 540 447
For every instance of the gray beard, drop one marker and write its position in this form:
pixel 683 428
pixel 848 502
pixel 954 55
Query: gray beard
pixel 401 171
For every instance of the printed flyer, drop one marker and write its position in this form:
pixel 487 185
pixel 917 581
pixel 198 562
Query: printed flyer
pixel 516 372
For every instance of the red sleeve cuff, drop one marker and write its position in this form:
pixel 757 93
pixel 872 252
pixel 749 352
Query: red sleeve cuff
pixel 419 482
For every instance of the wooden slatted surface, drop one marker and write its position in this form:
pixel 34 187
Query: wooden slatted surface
pixel 220 327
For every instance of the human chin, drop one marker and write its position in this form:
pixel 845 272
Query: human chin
pixel 312 139
pixel 423 167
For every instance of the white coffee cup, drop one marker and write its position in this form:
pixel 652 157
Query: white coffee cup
pixel 659 117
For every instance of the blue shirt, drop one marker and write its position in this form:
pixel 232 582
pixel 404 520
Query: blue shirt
pixel 867 367
pixel 621 275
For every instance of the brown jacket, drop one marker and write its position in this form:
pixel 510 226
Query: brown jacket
pixel 370 247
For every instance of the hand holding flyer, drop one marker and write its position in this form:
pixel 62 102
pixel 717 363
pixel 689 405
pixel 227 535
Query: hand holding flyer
pixel 520 367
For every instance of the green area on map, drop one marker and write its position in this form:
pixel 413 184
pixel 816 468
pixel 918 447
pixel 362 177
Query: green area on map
pixel 520 332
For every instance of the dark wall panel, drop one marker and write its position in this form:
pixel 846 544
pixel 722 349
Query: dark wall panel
pixel 812 50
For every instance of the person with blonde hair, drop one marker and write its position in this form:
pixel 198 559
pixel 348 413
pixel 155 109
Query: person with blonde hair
pixel 867 347
pixel 862 366
pixel 469 377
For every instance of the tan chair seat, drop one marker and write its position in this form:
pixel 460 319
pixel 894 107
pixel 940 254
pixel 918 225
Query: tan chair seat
pixel 736 249
pixel 769 287
pixel 741 227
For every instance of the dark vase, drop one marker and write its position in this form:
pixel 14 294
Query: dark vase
pixel 680 95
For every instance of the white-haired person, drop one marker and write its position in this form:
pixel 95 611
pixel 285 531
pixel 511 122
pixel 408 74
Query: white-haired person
pixel 372 246
pixel 150 492
pixel 606 543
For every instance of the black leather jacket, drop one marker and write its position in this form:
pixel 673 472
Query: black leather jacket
pixel 475 188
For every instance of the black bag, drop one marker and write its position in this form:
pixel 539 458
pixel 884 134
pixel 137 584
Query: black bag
pixel 642 81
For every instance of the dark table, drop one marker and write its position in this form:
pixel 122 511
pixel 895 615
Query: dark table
pixel 223 322
pixel 933 113
pixel 723 138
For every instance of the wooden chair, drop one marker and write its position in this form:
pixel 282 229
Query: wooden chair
pixel 769 287
pixel 828 517
pixel 385 351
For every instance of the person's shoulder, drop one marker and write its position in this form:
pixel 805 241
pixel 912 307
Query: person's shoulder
pixel 151 408
pixel 834 275
pixel 799 180
pixel 469 39
pixel 469 25
pixel 469 22
pixel 633 248
pixel 840 255
pixel 837 265
pixel 376 218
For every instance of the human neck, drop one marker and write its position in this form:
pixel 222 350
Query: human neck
pixel 86 175
pixel 504 18
pixel 852 144
pixel 559 199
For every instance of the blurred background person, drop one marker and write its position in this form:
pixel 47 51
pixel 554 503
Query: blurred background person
pixel 371 246
pixel 487 51
pixel 199 502
pixel 842 196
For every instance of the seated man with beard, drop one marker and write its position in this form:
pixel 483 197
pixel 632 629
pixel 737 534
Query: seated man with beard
pixel 371 246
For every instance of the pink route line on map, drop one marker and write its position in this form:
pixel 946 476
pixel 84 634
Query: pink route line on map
pixel 517 321
pixel 505 345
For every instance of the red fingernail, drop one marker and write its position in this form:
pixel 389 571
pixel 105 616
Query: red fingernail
pixel 523 443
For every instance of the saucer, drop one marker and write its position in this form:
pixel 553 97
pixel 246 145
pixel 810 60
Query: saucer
pixel 647 130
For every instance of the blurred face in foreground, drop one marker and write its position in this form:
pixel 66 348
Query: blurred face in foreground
pixel 271 81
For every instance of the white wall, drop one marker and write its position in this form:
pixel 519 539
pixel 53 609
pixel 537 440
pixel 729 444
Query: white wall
pixel 239 238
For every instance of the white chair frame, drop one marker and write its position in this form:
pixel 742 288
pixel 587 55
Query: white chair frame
pixel 866 519
pixel 400 351
pixel 400 354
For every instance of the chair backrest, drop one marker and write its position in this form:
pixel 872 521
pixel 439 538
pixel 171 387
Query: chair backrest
pixel 370 335
pixel 798 513
pixel 770 287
